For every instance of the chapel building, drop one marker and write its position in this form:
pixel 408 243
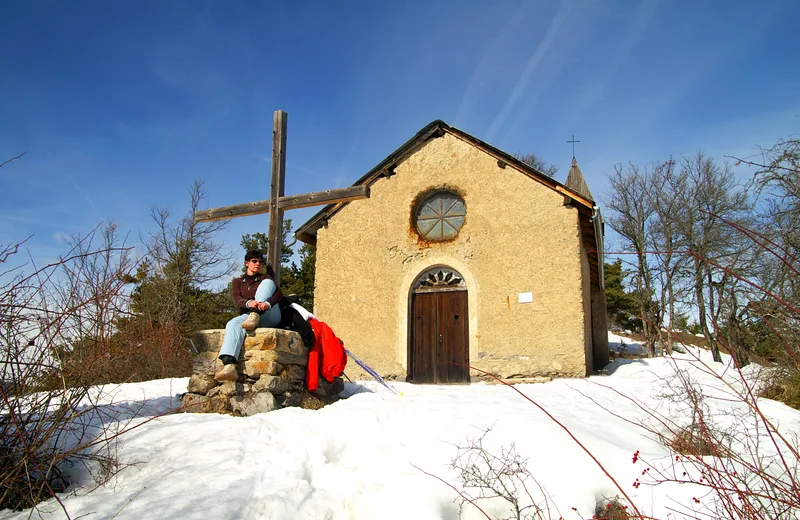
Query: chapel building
pixel 463 256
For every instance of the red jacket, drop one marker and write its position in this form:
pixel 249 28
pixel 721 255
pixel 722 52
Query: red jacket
pixel 327 356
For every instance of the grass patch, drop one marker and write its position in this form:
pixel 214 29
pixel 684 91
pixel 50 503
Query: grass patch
pixel 784 388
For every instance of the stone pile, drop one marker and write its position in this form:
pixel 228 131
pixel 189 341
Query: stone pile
pixel 272 371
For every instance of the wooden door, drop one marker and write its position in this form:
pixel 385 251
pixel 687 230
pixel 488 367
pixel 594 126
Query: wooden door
pixel 439 338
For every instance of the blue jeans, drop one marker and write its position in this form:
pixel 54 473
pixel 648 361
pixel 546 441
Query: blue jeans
pixel 235 334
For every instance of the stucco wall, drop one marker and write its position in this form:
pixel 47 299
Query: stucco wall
pixel 517 237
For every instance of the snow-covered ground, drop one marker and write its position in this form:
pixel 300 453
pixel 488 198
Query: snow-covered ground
pixel 356 458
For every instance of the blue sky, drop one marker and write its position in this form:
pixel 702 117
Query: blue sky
pixel 121 105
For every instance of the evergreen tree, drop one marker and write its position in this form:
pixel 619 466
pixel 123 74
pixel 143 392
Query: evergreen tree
pixel 620 305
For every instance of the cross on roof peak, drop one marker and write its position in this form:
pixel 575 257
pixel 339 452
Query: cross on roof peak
pixel 573 141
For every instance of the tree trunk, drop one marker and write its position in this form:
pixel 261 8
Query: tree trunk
pixel 699 285
pixel 670 312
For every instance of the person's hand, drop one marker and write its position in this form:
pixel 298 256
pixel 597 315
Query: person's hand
pixel 263 306
pixel 253 304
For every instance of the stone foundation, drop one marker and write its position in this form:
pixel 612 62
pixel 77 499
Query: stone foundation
pixel 272 371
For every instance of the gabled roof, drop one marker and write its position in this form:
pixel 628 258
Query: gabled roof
pixel 584 202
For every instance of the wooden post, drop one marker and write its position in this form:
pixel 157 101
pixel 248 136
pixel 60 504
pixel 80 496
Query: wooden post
pixel 276 191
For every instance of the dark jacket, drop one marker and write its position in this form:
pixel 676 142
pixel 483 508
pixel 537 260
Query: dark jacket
pixel 244 289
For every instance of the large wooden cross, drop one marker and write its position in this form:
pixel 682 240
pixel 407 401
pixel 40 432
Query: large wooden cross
pixel 277 202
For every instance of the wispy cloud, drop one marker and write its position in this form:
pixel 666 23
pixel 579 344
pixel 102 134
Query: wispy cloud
pixel 542 50
pixel 21 220
pixel 638 27
pixel 85 196
pixel 696 71
pixel 487 69
pixel 303 169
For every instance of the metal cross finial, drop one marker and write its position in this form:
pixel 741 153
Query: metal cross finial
pixel 573 141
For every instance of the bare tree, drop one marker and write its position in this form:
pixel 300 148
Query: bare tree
pixel 669 260
pixel 631 216
pixel 182 257
pixel 711 197
pixel 537 163
pixel 93 284
pixel 777 183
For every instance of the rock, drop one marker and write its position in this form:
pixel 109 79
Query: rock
pixel 326 389
pixel 201 383
pixel 273 384
pixel 311 402
pixel 261 339
pixel 290 399
pixel 227 389
pixel 293 373
pixel 207 340
pixel 338 386
pixel 253 403
pixel 272 371
pixel 255 369
pixel 280 357
pixel 281 340
pixel 193 402
pixel 205 363
pixel 278 340
pixel 203 404
pixel 291 344
pixel 521 380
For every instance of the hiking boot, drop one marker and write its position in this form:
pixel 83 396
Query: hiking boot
pixel 252 321
pixel 227 373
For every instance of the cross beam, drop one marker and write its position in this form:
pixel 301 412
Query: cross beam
pixel 316 198
pixel 277 202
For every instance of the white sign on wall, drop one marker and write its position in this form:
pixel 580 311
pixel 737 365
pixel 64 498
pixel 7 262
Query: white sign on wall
pixel 525 297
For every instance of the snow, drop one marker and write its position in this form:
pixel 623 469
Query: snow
pixel 356 459
pixel 622 345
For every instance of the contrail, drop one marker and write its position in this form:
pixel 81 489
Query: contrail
pixel 538 55
pixel 85 196
pixel 485 69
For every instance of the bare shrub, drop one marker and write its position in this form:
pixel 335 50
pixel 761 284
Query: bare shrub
pixel 611 510
pixel 47 424
pixel 741 463
pixel 696 441
pixel 486 478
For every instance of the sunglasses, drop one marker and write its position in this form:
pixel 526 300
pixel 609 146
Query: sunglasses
pixel 256 261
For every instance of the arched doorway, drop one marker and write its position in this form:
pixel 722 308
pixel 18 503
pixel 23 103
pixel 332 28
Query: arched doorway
pixel 438 349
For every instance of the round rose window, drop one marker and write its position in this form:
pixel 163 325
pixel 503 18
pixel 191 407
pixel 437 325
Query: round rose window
pixel 440 216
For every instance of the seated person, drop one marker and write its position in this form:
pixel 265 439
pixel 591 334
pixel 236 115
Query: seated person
pixel 256 295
